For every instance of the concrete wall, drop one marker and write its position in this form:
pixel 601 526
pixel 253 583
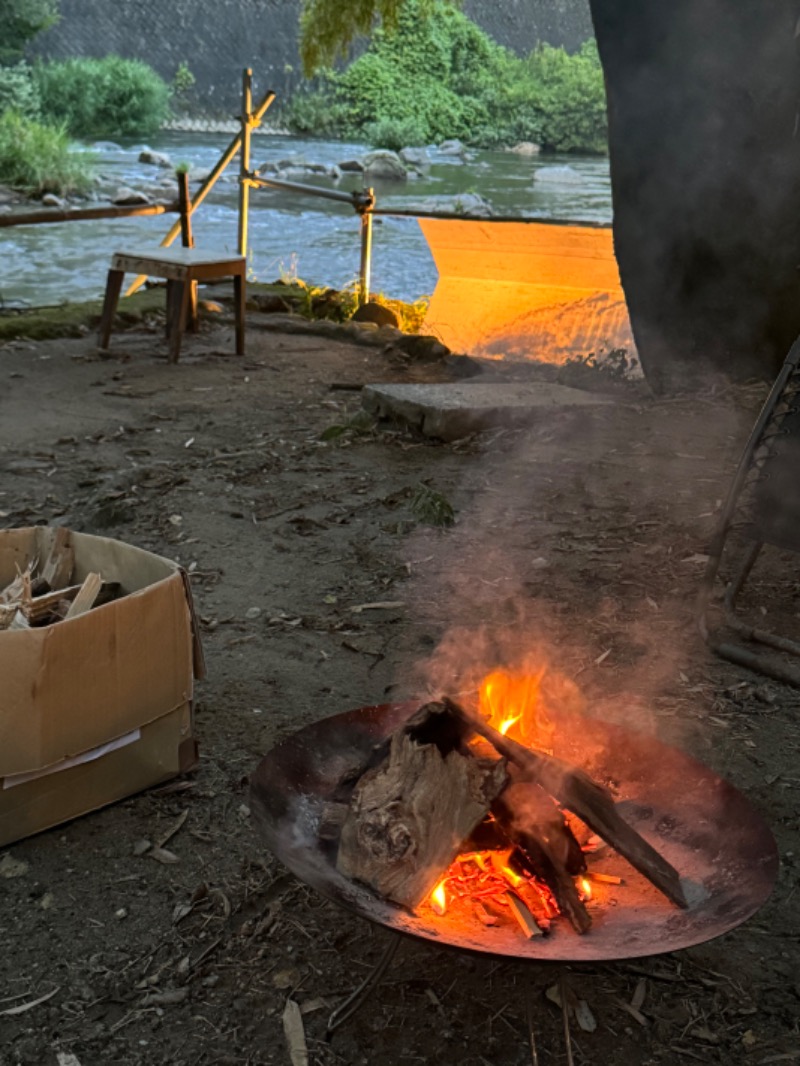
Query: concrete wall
pixel 218 38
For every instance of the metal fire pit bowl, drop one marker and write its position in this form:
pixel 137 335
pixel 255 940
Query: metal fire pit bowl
pixel 722 848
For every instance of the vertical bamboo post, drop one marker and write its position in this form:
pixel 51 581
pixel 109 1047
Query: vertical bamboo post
pixel 244 162
pixel 185 204
pixel 366 247
pixel 187 240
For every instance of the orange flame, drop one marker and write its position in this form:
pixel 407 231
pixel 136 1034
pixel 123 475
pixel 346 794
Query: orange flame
pixel 439 899
pixel 586 888
pixel 509 700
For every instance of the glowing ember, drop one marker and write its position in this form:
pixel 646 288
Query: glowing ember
pixel 439 899
pixel 585 887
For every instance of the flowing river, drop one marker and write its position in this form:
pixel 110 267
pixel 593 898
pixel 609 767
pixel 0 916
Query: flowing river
pixel 291 235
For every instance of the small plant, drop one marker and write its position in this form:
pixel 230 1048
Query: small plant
pixel 183 81
pixel 360 425
pixel 38 159
pixel 431 508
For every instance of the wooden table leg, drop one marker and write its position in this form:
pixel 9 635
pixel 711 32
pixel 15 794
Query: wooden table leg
pixel 239 301
pixel 113 289
pixel 182 299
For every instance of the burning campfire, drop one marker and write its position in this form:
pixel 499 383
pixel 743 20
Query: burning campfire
pixel 463 814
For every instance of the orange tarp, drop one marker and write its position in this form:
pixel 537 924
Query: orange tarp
pixel 527 290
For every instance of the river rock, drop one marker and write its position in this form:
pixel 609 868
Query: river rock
pixel 469 204
pixel 385 165
pixel 453 147
pixel 526 148
pixel 127 197
pixel 51 200
pixel 415 157
pixel 351 166
pixel 565 175
pixel 155 159
pixel 376 313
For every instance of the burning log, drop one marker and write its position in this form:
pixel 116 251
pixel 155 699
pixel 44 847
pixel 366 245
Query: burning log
pixel 409 816
pixel 534 824
pixel 585 798
pixel 435 788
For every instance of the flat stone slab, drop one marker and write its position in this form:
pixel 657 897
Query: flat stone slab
pixel 454 410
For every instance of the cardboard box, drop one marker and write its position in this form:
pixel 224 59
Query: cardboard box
pixel 97 707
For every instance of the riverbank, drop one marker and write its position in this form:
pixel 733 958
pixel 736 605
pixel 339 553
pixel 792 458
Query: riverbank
pixel 291 235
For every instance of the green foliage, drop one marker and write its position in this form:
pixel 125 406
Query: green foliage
pixel 313 111
pixel 327 27
pixel 38 159
pixel 571 98
pixel 362 424
pixel 431 508
pixel 20 21
pixel 109 97
pixel 183 81
pixel 432 74
pixel 19 91
pixel 396 133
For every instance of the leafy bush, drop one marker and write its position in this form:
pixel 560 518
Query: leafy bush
pixel 19 91
pixel 313 111
pixel 430 78
pixel 38 158
pixel 571 98
pixel 109 97
pixel 394 133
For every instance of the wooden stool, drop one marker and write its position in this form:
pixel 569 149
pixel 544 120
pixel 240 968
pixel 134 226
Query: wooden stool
pixel 182 268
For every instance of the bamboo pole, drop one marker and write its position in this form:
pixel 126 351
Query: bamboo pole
pixel 244 158
pixel 210 182
pixel 186 206
pixel 366 249
pixel 82 214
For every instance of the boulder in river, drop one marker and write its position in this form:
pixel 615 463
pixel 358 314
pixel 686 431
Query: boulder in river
pixel 526 148
pixel 415 157
pixel 565 175
pixel 453 147
pixel 155 159
pixel 385 165
pixel 127 197
pixel 351 166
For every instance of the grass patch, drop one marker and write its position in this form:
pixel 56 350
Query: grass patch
pixel 77 319
pixel 37 159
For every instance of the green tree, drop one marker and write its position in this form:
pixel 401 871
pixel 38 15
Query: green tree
pixel 20 21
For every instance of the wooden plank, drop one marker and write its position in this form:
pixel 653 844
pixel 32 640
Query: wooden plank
pixel 89 592
pixel 58 566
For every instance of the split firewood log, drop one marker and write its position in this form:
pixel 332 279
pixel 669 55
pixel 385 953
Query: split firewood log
pixel 409 816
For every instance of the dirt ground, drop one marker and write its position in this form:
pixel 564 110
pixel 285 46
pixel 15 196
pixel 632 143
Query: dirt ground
pixel 579 541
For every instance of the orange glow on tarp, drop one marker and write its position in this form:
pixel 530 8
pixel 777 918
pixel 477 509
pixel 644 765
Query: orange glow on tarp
pixel 527 290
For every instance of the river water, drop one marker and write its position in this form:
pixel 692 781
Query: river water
pixel 293 235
